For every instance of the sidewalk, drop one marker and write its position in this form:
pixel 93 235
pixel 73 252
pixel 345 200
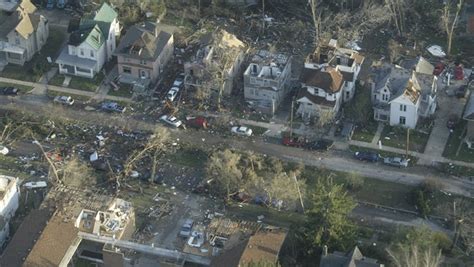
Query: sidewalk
pixel 65 90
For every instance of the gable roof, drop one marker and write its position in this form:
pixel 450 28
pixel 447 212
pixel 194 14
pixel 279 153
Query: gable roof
pixel 419 64
pixel 314 99
pixel 27 6
pixel 106 14
pixel 140 41
pixel 263 246
pixel 330 80
pixel 91 35
pixel 354 258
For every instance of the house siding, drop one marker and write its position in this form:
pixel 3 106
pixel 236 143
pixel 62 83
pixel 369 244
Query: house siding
pixel 411 113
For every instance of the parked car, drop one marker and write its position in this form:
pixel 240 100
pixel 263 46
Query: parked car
pixel 321 145
pixel 9 90
pixel 452 121
pixel 179 81
pixel 396 161
pixel 171 120
pixel 112 107
pixel 4 150
pixel 439 68
pixel 65 100
pixel 294 142
pixel 186 228
pixel 197 122
pixel 462 91
pixel 241 130
pixel 172 93
pixel 367 156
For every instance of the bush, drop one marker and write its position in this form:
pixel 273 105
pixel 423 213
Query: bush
pixel 354 182
pixel 423 194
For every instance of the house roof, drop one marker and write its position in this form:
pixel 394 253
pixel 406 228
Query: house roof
pixel 347 76
pixel 393 78
pixel 27 6
pixel 314 99
pixel 8 23
pixel 106 14
pixel 469 109
pixel 354 258
pixel 92 35
pixel 330 80
pixel 140 41
pixel 419 65
pixel 263 246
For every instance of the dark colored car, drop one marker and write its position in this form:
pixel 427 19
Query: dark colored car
pixel 112 107
pixel 322 145
pixel 367 156
pixel 9 90
pixel 462 91
pixel 438 69
pixel 452 122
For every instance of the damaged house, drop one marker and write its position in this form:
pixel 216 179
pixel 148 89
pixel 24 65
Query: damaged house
pixel 400 96
pixel 143 53
pixel 267 80
pixel 328 80
pixel 469 117
pixel 22 34
pixel 216 63
pixel 91 44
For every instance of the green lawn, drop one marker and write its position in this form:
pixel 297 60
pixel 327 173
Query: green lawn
pixel 79 83
pixel 256 130
pixel 21 88
pixel 454 141
pixel 188 156
pixel 365 132
pixel 125 90
pixel 396 137
pixel 34 69
pixel 456 170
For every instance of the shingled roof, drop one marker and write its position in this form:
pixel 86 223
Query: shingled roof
pixel 352 259
pixel 330 80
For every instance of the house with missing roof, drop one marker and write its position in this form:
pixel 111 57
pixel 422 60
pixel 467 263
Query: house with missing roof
pixel 469 117
pixel 91 44
pixel 22 34
pixel 9 203
pixel 400 96
pixel 267 80
pixel 328 80
pixel 353 258
pixel 143 53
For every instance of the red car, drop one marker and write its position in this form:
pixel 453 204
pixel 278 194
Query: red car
pixel 459 72
pixel 294 142
pixel 438 69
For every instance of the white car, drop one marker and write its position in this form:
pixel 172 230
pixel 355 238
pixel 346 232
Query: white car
pixel 171 120
pixel 241 130
pixel 4 150
pixel 65 100
pixel 172 93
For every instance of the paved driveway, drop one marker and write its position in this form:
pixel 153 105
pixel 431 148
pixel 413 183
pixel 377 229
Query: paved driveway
pixel 447 105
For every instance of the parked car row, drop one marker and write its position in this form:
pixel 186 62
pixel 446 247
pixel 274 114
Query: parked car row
pixel 374 157
pixel 12 91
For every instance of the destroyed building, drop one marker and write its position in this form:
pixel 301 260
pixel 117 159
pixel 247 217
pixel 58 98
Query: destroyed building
pixel 9 201
pixel 217 62
pixel 267 80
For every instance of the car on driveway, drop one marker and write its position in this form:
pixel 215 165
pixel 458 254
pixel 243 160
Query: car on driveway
pixel 171 120
pixel 438 69
pixel 186 228
pixel 112 107
pixel 366 156
pixel 241 130
pixel 65 100
pixel 4 150
pixel 179 81
pixel 396 162
pixel 9 91
pixel 172 93
pixel 462 91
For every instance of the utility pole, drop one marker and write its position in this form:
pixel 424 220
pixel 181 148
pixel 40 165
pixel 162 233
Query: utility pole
pixel 263 16
pixel 291 117
pixel 299 192
pixel 408 141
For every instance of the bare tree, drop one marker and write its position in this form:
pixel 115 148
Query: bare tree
pixel 316 16
pixel 450 19
pixel 325 117
pixel 397 11
pixel 223 171
pixel 413 256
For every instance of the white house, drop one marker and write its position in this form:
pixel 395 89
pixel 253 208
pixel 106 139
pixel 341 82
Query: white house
pixel 91 45
pixel 10 196
pixel 400 96
pixel 347 61
pixel 322 92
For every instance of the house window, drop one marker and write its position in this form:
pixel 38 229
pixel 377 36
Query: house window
pixel 402 120
pixel 252 80
pixel 92 53
pixel 82 52
pixel 385 97
pixel 127 70
pixel 143 62
pixel 316 91
pixel 17 40
pixel 403 107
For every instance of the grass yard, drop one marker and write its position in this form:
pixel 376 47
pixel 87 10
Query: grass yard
pixel 455 149
pixel 87 84
pixel 21 88
pixel 365 132
pixel 256 130
pixel 396 137
pixel 188 156
pixel 34 69
pixel 456 170
pixel 273 217
pixel 57 80
pixel 125 90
